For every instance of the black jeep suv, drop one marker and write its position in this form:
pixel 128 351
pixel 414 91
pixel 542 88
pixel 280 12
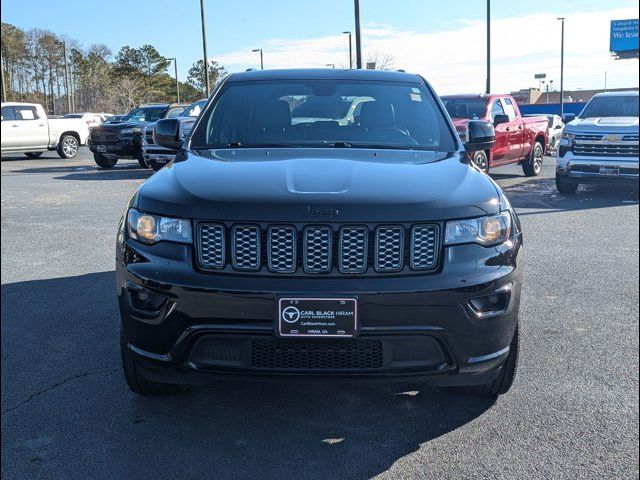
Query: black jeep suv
pixel 320 223
pixel 111 141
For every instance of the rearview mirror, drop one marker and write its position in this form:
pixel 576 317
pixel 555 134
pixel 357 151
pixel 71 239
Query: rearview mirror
pixel 567 117
pixel 481 136
pixel 167 134
pixel 498 119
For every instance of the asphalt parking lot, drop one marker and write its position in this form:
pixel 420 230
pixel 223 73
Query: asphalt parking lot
pixel 66 411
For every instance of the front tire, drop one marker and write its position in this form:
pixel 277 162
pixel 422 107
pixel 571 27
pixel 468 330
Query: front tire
pixel 136 382
pixel 68 146
pixel 103 161
pixel 533 165
pixel 34 154
pixel 481 160
pixel 566 186
pixel 141 161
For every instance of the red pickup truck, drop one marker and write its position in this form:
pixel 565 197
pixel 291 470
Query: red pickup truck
pixel 519 139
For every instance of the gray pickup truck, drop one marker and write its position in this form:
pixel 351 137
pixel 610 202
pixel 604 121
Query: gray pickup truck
pixel 601 144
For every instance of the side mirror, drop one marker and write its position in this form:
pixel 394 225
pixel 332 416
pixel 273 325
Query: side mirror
pixel 568 117
pixel 498 119
pixel 167 133
pixel 481 136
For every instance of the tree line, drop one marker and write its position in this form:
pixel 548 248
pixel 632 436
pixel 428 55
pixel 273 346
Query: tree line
pixel 33 64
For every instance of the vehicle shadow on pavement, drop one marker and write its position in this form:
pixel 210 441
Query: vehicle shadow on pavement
pixel 66 407
pixel 541 194
pixel 127 171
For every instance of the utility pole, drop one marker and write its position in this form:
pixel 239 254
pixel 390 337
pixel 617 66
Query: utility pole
pixel 66 76
pixel 488 86
pixel 175 64
pixel 356 5
pixel 204 49
pixel 4 92
pixel 605 80
pixel 261 58
pixel 562 68
pixel 350 53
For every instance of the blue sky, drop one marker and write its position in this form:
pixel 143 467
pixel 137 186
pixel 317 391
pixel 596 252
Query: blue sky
pixel 307 33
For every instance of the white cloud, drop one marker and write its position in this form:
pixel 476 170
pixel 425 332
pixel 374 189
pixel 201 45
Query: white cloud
pixel 454 60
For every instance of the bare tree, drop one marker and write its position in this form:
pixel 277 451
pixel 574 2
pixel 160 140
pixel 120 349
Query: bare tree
pixel 381 60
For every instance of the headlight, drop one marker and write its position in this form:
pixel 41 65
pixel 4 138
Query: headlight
pixel 485 231
pixel 131 131
pixel 567 138
pixel 149 228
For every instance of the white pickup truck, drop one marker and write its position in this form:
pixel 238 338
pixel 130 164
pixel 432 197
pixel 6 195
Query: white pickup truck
pixel 26 129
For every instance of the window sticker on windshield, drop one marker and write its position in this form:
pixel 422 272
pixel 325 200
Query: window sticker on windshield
pixel 415 97
pixel 415 90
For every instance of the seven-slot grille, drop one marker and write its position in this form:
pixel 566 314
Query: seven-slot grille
pixel 614 145
pixel 318 249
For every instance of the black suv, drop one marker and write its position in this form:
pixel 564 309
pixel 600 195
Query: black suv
pixel 320 223
pixel 111 141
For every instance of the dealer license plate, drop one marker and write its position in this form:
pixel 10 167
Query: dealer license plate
pixel 317 317
pixel 613 170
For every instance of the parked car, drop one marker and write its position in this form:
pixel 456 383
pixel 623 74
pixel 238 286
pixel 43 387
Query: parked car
pixel 156 156
pixel 26 128
pixel 91 119
pixel 601 144
pixel 518 140
pixel 272 247
pixel 555 130
pixel 112 141
pixel 114 118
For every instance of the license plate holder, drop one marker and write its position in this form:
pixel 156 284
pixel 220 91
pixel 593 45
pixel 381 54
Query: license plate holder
pixel 613 170
pixel 101 148
pixel 317 317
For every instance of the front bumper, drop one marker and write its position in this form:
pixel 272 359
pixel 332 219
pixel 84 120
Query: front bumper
pixel 124 147
pixel 211 326
pixel 595 169
pixel 154 154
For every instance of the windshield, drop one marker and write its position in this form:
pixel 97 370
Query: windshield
pixel 611 106
pixel 144 114
pixel 324 113
pixel 194 109
pixel 470 108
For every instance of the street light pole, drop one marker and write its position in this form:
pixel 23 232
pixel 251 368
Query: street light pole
pixel 562 68
pixel 356 6
pixel 175 64
pixel 488 86
pixel 261 58
pixel 204 49
pixel 350 53
pixel 66 76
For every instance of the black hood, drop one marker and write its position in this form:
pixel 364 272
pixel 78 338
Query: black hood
pixel 121 125
pixel 302 185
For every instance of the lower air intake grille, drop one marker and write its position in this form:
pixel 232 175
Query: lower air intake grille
pixel 354 354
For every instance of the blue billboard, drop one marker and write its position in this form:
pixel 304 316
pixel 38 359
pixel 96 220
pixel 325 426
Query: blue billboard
pixel 624 35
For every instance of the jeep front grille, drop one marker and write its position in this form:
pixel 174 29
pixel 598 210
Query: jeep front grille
pixel 318 249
